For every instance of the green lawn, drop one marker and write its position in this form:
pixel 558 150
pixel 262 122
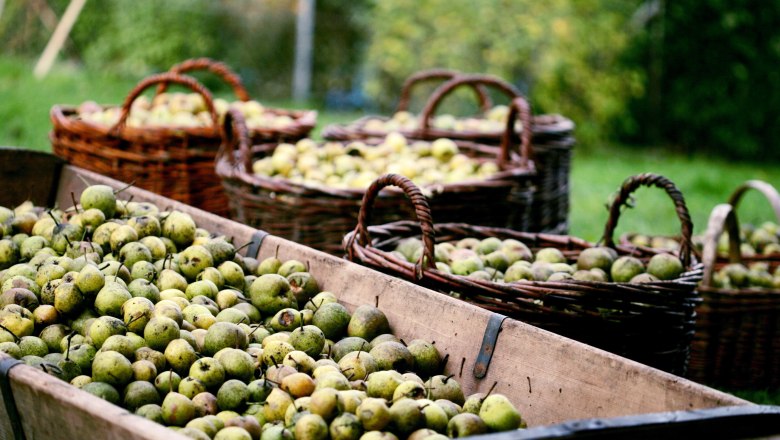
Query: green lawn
pixel 597 170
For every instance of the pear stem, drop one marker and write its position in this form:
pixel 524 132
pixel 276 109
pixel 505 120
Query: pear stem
pixel 75 205
pixel 490 390
pixel 125 187
pixel 16 338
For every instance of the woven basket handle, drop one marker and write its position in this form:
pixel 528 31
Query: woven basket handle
pixel 764 188
pixel 437 74
pixel 518 101
pixel 650 179
pixel 164 78
pixel 723 215
pixel 236 135
pixel 218 68
pixel 421 209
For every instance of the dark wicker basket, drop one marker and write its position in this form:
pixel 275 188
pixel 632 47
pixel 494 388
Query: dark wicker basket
pixel 176 162
pixel 552 141
pixel 651 323
pixel 319 216
pixel 737 341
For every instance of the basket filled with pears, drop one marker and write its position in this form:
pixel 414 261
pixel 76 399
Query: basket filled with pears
pixel 167 144
pixel 738 325
pixel 310 192
pixel 619 298
pixel 551 135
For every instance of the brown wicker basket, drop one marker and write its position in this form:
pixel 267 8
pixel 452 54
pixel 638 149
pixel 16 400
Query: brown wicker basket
pixel 651 323
pixel 303 120
pixel 172 161
pixel 737 341
pixel 319 216
pixel 552 142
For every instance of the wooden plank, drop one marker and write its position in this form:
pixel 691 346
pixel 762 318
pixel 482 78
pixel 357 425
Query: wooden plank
pixel 53 409
pixel 34 181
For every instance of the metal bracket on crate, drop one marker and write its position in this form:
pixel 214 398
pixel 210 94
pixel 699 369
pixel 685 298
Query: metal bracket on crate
pixel 255 243
pixel 8 397
pixel 488 345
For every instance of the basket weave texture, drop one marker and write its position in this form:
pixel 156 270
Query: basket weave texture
pixel 176 162
pixel 737 342
pixel 552 140
pixel 320 216
pixel 651 323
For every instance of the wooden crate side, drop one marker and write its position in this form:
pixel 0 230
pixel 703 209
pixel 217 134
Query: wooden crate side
pixel 28 175
pixel 551 378
pixel 53 409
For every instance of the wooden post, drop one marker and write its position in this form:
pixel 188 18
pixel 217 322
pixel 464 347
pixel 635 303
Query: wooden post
pixel 58 38
pixel 304 36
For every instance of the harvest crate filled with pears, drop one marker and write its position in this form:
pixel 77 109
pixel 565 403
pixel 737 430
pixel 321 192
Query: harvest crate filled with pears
pixel 162 309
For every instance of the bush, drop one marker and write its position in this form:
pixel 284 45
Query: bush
pixel 564 55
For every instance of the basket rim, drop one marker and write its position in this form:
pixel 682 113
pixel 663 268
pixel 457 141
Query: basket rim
pixel 65 117
pixel 231 172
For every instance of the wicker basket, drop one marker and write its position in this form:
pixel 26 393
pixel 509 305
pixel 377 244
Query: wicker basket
pixel 552 142
pixel 319 216
pixel 651 323
pixel 303 123
pixel 737 342
pixel 174 162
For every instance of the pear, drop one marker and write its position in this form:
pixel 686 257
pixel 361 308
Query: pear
pixel 271 293
pixel 179 228
pixel 276 405
pixel 325 403
pixel 333 319
pixel 237 363
pixel 165 381
pixel 427 360
pixel 358 365
pixel 268 265
pixel 144 370
pixel 298 385
pixel 205 404
pixel 177 409
pixel 208 371
pixel 303 286
pixel 232 395
pixel 103 390
pixel 665 266
pixel 99 197
pixel 499 414
pixel 383 383
pixel 444 387
pixel 112 368
pixel 392 356
pixel 138 394
pixel 191 387
pixel 180 355
pixel 160 331
pixel 347 345
pixel 346 426
pixel 625 268
pixel 154 356
pixel 466 424
pixel 311 427
pixel 223 334
pixel 309 339
pixel 367 322
pixel 193 260
pixel 599 257
pixel 406 416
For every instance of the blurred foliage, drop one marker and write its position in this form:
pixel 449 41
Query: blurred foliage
pixel 563 54
pixel 255 37
pixel 721 67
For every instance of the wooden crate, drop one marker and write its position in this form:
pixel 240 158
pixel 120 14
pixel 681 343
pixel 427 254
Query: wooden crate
pixel 551 379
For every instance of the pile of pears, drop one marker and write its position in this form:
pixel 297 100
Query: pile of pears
pixel 493 121
pixel 143 308
pixel 355 165
pixel 509 261
pixel 182 110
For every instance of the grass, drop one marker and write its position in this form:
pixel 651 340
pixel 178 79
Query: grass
pixel 597 170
